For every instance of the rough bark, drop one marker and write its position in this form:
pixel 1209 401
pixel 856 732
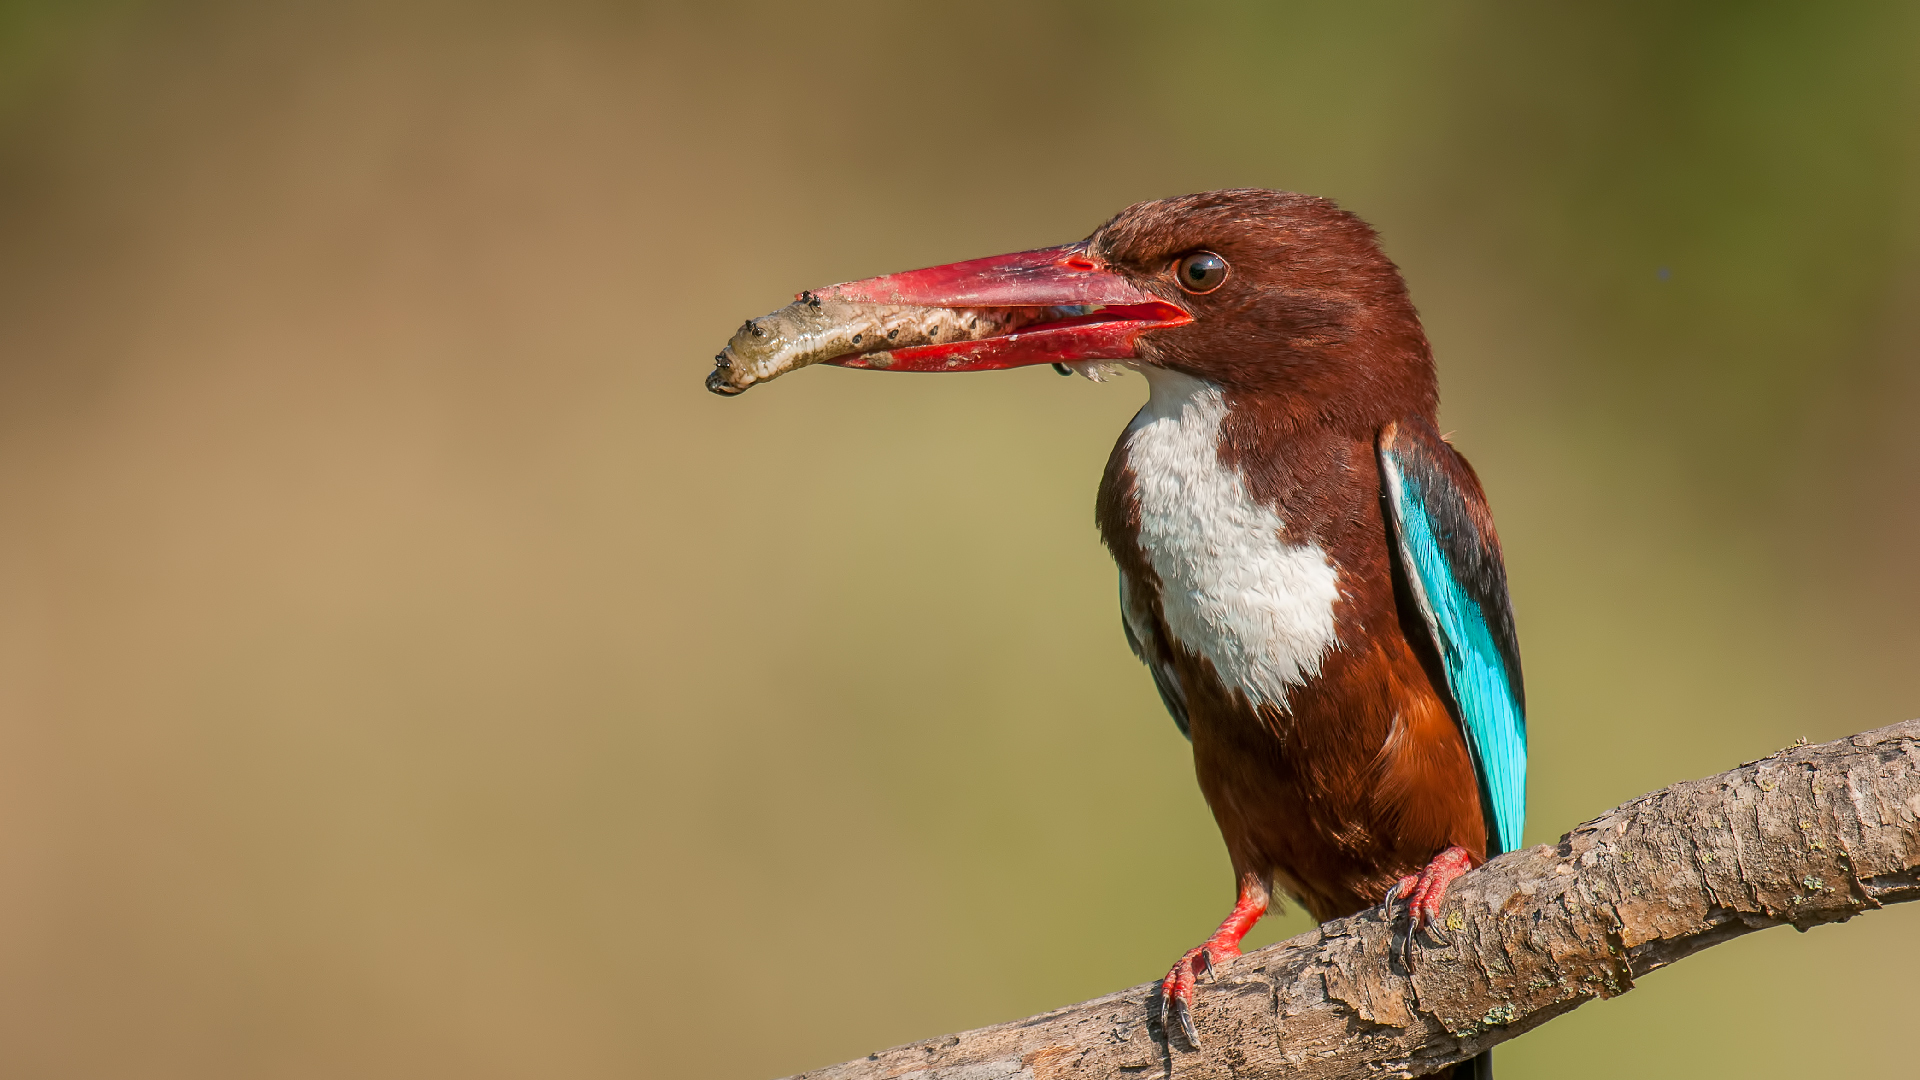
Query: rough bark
pixel 1809 835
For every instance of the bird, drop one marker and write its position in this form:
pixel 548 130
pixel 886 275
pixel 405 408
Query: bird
pixel 1307 567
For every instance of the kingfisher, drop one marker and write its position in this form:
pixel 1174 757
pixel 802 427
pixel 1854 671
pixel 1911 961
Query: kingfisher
pixel 1307 568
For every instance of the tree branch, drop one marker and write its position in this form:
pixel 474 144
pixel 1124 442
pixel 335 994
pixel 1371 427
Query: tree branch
pixel 1809 835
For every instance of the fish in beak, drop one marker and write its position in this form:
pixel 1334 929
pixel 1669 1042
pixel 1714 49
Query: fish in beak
pixel 1053 306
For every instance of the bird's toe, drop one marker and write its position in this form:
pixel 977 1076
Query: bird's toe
pixel 1425 893
pixel 1176 990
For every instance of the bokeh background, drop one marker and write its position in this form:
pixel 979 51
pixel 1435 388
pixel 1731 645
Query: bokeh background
pixel 407 669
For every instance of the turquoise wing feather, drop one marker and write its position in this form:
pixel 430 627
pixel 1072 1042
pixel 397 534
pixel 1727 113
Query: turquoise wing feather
pixel 1451 559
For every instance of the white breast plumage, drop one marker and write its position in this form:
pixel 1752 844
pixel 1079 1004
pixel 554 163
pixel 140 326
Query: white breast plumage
pixel 1231 589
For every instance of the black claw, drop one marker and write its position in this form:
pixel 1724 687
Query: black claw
pixel 1063 369
pixel 1185 1016
pixel 1417 926
pixel 1408 944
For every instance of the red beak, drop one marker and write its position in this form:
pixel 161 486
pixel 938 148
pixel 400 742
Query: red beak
pixel 1103 314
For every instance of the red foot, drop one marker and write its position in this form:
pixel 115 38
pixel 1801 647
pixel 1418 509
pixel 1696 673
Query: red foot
pixel 1427 890
pixel 1176 990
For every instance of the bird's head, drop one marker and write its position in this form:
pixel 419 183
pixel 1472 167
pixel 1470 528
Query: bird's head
pixel 1262 292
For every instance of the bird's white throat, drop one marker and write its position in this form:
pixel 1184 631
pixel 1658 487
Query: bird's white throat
pixel 1231 589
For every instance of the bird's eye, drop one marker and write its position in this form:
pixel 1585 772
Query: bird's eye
pixel 1200 272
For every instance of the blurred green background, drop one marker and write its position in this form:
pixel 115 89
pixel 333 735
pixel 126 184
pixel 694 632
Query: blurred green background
pixel 407 669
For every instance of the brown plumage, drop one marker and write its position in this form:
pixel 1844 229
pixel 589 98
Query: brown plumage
pixel 1365 776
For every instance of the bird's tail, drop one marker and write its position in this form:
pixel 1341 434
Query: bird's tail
pixel 1480 1068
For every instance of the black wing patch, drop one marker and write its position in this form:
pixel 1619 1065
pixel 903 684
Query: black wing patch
pixel 1144 639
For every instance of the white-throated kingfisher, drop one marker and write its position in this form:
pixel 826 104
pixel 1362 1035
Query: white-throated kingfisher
pixel 1307 568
